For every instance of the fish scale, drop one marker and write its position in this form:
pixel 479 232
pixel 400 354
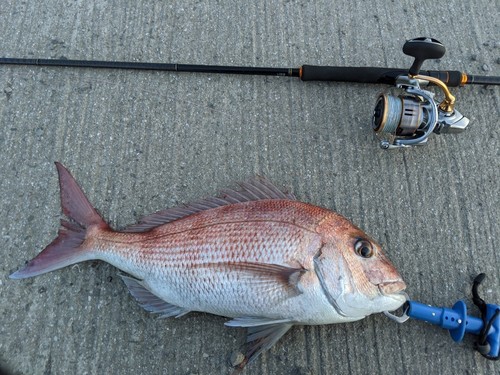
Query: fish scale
pixel 190 265
pixel 256 255
pixel 263 240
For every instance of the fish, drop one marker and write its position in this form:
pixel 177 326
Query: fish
pixel 254 254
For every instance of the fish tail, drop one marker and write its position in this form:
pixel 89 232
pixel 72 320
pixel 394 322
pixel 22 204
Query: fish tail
pixel 68 248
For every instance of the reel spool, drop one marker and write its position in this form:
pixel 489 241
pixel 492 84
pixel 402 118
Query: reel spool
pixel 408 119
pixel 399 115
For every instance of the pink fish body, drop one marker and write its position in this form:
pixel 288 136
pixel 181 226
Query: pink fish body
pixel 256 255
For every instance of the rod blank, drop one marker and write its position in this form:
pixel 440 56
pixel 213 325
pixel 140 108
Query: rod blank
pixel 154 66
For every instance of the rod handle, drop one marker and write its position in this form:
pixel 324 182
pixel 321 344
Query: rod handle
pixel 350 74
pixel 451 78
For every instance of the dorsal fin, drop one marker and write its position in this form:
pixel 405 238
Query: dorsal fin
pixel 258 188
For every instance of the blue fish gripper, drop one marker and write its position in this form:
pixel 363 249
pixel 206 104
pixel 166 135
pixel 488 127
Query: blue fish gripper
pixel 456 320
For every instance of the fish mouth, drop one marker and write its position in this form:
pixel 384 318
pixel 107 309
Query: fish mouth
pixel 392 287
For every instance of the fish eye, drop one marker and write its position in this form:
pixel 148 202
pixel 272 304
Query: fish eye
pixel 363 248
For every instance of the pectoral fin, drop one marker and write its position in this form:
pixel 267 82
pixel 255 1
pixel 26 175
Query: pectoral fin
pixel 151 302
pixel 264 277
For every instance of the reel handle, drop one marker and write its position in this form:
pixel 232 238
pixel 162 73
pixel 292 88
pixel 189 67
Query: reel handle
pixel 422 49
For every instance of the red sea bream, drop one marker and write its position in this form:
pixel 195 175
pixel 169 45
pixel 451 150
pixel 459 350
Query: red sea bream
pixel 256 255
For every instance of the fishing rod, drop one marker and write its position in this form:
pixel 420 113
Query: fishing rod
pixel 399 121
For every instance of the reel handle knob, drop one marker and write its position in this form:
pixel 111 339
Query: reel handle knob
pixel 422 49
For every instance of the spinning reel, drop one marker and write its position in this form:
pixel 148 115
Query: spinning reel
pixel 409 119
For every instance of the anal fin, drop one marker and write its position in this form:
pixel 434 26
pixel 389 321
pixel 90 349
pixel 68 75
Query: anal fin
pixel 149 301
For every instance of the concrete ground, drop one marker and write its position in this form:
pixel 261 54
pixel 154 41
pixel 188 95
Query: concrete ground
pixel 142 141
